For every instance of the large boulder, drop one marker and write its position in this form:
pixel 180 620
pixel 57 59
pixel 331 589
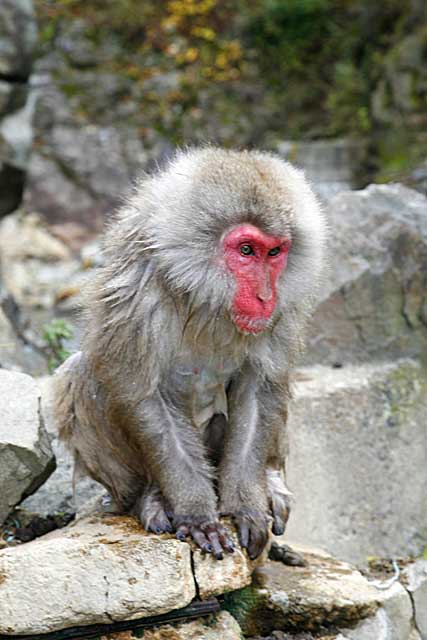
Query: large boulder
pixel 374 301
pixel 18 37
pixel 104 569
pixel 26 458
pixel 358 460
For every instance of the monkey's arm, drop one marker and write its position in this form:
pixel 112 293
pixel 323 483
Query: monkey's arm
pixel 179 466
pixel 256 409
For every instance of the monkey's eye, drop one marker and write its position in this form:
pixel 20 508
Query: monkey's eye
pixel 274 252
pixel 246 250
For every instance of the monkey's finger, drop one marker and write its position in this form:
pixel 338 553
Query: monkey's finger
pixel 225 540
pixel 182 532
pixel 244 533
pixel 200 539
pixel 216 545
pixel 278 526
pixel 258 540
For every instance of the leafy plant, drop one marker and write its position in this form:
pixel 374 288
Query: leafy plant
pixel 55 333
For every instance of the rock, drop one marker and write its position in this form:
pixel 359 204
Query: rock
pixel 213 578
pixel 392 622
pixel 26 459
pixel 96 571
pixel 56 495
pixel 34 263
pixel 358 454
pixel 221 626
pixel 103 568
pixel 375 297
pixel 16 356
pixel 18 38
pixel 415 577
pixel 326 592
pixel 330 165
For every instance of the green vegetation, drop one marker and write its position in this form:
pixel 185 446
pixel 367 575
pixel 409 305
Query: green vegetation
pixel 54 334
pixel 247 72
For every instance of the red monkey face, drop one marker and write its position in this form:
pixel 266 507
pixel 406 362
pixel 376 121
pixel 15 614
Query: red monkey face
pixel 256 260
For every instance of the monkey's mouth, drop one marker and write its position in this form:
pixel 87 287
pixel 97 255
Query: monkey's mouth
pixel 250 326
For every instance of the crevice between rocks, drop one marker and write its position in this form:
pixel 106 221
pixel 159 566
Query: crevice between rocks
pixel 193 571
pixel 414 617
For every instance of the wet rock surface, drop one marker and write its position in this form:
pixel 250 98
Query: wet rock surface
pixel 26 458
pixel 326 592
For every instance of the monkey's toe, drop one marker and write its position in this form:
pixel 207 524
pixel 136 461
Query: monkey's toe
pixel 280 510
pixel 253 532
pixel 210 536
pixel 152 512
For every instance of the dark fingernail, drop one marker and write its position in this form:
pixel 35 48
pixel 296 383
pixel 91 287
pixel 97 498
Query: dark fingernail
pixel 230 548
pixel 219 555
pixel 209 548
pixel 180 536
pixel 168 528
pixel 278 529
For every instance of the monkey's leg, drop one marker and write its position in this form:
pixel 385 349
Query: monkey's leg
pixel 152 510
pixel 179 466
pixel 242 472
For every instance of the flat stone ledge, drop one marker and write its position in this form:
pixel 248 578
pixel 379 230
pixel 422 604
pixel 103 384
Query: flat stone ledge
pixel 101 570
pixel 105 569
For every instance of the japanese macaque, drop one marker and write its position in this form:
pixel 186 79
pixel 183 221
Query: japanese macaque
pixel 177 402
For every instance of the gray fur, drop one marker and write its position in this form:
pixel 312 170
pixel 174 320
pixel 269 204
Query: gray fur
pixel 131 406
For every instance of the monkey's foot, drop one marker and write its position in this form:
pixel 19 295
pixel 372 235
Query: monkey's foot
pixel 279 501
pixel 151 510
pixel 209 535
pixel 253 530
pixel 287 555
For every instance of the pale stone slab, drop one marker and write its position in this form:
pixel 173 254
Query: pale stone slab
pixel 358 459
pixel 416 577
pixel 215 577
pixel 100 570
pixel 26 458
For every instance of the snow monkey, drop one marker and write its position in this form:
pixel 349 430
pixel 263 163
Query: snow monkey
pixel 177 402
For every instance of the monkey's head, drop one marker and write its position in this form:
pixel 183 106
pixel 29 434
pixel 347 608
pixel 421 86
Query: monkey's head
pixel 239 234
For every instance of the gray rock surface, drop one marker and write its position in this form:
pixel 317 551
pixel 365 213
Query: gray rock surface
pixel 56 495
pixel 102 569
pixel 358 460
pixel 326 592
pixel 375 295
pixel 26 458
pixel 330 165
pixel 18 37
pixel 415 577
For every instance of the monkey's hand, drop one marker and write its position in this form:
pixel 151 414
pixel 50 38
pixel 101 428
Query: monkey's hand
pixel 253 527
pixel 207 533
